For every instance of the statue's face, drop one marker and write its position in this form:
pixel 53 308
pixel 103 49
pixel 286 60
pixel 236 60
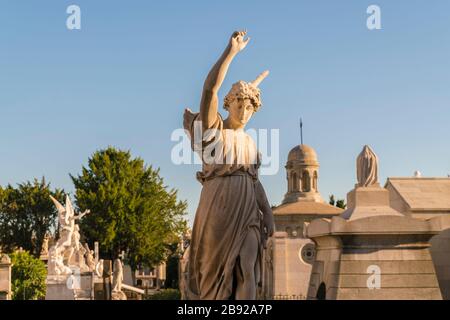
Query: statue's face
pixel 241 110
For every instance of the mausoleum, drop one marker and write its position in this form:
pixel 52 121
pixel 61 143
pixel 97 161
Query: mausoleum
pixel 291 254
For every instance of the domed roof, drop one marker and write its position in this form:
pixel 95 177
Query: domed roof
pixel 306 208
pixel 304 154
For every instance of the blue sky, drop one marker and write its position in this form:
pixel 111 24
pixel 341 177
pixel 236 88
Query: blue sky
pixel 126 76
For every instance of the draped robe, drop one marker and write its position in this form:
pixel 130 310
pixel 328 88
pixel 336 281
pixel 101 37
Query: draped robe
pixel 227 210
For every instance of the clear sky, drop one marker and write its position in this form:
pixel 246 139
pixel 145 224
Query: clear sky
pixel 126 76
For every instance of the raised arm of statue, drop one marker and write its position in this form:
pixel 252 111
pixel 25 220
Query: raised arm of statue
pixel 209 101
pixel 81 215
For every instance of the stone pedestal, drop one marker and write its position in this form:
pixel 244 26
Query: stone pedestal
pixel 370 201
pixel 373 252
pixel 5 277
pixel 99 289
pixel 70 287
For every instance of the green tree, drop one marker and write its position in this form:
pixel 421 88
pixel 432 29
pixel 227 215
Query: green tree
pixel 172 265
pixel 28 276
pixel 339 203
pixel 131 208
pixel 165 294
pixel 26 215
pixel 332 201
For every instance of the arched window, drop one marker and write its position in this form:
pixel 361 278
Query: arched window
pixel 315 181
pixel 294 181
pixel 288 181
pixel 306 181
pixel 322 292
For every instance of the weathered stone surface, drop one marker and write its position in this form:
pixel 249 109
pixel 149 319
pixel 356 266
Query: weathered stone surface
pixel 387 255
pixel 396 267
pixel 372 251
pixel 427 199
pixel 69 287
pixel 388 294
pixel 416 280
pixel 291 274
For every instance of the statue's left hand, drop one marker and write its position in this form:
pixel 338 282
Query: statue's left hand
pixel 268 223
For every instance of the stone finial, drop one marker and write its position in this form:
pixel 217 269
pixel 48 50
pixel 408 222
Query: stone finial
pixel 367 168
pixel 4 259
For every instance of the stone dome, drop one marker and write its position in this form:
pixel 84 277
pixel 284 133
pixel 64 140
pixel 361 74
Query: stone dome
pixel 304 154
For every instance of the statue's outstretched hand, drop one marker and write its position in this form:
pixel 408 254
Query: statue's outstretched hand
pixel 237 41
pixel 81 215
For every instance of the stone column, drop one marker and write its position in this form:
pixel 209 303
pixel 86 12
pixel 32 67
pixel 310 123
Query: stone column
pixel 5 277
pixel 96 252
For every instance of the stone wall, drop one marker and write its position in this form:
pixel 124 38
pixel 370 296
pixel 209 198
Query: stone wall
pixel 346 264
pixel 440 252
pixel 290 273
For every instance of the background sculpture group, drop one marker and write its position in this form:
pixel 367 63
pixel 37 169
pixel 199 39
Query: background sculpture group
pixel 68 253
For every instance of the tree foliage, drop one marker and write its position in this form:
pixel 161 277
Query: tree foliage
pixel 332 200
pixel 165 294
pixel 339 203
pixel 172 267
pixel 26 215
pixel 28 276
pixel 131 208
